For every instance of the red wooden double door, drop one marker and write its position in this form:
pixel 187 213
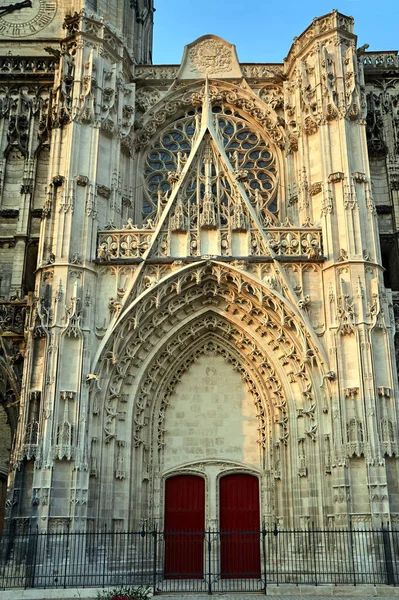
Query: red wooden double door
pixel 238 553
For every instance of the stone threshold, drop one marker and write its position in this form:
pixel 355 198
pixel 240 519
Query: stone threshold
pixel 339 592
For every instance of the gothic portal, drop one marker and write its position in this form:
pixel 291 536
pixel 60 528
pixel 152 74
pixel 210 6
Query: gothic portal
pixel 199 277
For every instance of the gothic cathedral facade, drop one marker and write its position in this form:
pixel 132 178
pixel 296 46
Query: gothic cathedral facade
pixel 199 272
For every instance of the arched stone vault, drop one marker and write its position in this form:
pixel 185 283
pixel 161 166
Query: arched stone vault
pixel 255 329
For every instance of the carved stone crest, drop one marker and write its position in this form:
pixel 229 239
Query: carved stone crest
pixel 209 56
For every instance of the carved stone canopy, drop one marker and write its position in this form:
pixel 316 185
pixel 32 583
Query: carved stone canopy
pixel 209 56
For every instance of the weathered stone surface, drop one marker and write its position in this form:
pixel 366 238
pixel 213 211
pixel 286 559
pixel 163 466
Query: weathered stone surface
pixel 200 272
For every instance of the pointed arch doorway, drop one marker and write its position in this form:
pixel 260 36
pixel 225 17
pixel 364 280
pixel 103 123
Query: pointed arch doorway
pixel 239 526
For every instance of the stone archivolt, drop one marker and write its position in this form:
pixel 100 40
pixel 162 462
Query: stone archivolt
pixel 239 97
pixel 209 309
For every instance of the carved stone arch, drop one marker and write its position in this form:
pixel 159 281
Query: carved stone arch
pixel 240 96
pixel 164 396
pixel 158 383
pixel 301 362
pixel 193 331
pixel 226 466
pixel 276 341
pixel 263 302
pixel 209 343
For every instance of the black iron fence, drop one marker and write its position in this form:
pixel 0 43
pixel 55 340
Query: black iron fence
pixel 210 561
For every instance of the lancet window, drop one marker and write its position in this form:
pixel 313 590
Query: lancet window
pixel 249 152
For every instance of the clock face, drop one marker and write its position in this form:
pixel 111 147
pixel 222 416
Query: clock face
pixel 28 20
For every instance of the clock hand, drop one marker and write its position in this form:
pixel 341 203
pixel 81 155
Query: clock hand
pixel 5 10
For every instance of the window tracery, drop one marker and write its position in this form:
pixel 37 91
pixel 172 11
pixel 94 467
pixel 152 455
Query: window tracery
pixel 250 154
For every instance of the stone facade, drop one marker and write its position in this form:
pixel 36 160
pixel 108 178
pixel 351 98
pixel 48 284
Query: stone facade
pixel 199 272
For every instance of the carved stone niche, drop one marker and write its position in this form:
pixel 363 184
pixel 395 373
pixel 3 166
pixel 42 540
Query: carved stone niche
pixel 361 520
pixel 22 525
pixel 36 497
pixel 341 494
pixel 394 179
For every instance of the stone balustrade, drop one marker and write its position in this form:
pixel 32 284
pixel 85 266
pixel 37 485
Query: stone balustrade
pixel 16 65
pixel 262 71
pixel 287 242
pixel 380 60
pixel 123 244
pixel 284 242
pixel 250 71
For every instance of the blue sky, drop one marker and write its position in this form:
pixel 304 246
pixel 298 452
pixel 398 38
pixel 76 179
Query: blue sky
pixel 263 30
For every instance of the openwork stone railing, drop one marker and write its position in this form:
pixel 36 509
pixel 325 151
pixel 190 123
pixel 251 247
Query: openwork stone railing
pixel 28 66
pixel 283 242
pixel 12 316
pixel 381 60
pixel 123 244
pixel 296 242
pixel 156 71
pixel 251 70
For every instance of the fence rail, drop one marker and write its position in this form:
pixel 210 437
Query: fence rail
pixel 209 561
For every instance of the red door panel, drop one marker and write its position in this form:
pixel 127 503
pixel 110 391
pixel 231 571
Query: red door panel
pixel 184 527
pixel 239 526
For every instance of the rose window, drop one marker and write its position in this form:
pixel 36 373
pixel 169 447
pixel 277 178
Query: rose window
pixel 249 153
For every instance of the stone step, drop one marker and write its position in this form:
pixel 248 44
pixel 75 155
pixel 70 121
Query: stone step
pixel 282 592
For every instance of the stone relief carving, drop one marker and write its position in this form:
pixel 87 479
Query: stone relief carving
pixel 168 304
pixel 191 95
pixel 211 57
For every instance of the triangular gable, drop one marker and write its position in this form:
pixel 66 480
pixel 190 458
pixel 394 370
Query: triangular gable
pixel 209 193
